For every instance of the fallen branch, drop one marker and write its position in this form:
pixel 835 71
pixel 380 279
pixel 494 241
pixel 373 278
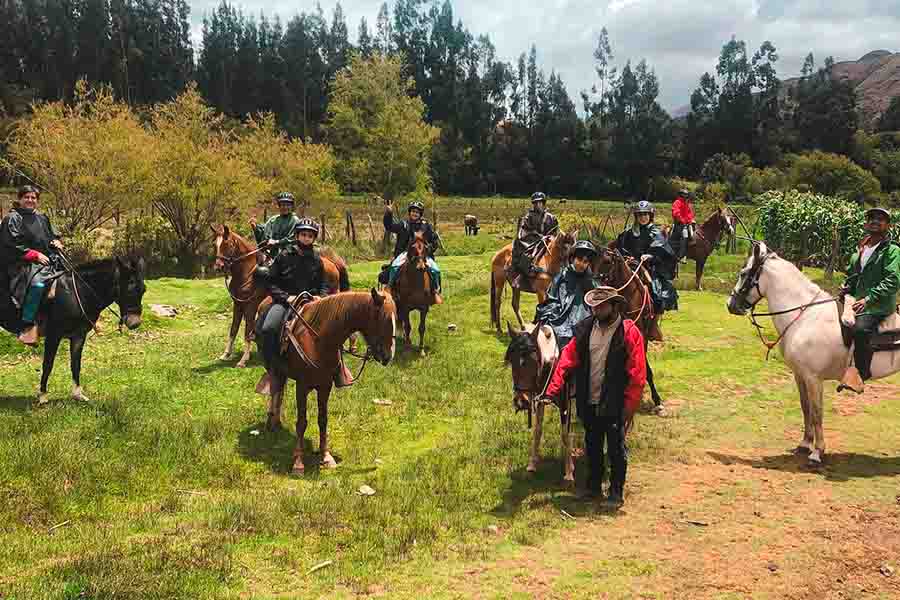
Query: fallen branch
pixel 58 525
pixel 319 567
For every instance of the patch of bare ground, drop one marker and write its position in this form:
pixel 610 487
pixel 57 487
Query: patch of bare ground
pixel 850 404
pixel 734 522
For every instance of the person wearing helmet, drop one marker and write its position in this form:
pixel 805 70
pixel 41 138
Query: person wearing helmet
pixel 537 223
pixel 564 307
pixel 28 247
pixel 405 230
pixel 683 223
pixel 278 232
pixel 873 278
pixel 297 268
pixel 645 241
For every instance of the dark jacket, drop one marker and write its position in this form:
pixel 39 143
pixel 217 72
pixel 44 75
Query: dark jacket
pixel 295 271
pixel 23 230
pixel 649 240
pixel 405 230
pixel 536 224
pixel 564 307
pixel 878 281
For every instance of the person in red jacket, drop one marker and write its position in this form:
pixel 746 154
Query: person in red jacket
pixel 683 222
pixel 606 357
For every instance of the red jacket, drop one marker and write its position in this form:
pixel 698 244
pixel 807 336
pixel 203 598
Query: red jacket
pixel 682 211
pixel 635 367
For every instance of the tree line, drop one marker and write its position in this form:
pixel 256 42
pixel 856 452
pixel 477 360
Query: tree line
pixel 500 127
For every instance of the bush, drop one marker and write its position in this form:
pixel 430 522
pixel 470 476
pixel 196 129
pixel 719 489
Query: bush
pixel 758 181
pixel 712 193
pixel 802 225
pixel 833 175
pixel 153 239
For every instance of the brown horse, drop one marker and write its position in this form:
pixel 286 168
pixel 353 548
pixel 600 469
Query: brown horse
pixel 321 332
pixel 552 261
pixel 706 238
pixel 412 289
pixel 238 257
pixel 614 269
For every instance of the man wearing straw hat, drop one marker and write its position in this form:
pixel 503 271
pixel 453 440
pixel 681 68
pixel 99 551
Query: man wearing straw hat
pixel 606 357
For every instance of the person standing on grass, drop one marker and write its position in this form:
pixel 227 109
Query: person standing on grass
pixel 606 358
pixel 278 232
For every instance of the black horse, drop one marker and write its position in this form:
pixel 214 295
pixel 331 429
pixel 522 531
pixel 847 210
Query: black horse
pixel 78 301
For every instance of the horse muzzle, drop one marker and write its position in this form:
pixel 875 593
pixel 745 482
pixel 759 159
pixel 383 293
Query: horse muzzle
pixel 521 400
pixel 736 306
pixel 132 321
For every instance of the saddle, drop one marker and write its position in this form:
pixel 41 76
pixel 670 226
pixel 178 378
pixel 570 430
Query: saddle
pixel 288 333
pixel 522 282
pixel 887 339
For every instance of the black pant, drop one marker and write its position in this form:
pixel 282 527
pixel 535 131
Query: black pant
pixel 865 326
pixel 521 257
pixel 598 429
pixel 269 332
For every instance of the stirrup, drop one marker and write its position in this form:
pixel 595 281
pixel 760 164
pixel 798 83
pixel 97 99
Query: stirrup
pixel 852 381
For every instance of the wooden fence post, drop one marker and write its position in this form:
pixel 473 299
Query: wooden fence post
pixel 372 233
pixel 324 230
pixel 835 256
pixel 351 228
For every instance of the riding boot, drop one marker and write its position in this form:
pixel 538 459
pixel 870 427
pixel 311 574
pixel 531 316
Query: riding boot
pixel 342 377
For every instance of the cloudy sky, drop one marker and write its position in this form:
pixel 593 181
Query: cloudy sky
pixel 679 38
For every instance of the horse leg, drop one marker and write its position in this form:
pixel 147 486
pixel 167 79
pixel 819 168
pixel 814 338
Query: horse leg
pixel 699 265
pixel 517 295
pixel 423 314
pixel 276 386
pixel 249 322
pixel 536 438
pixel 498 283
pixel 565 416
pixel 657 400
pixel 322 397
pixel 76 347
pixel 51 346
pixel 407 327
pixel 232 334
pixel 302 393
pixel 806 445
pixel 816 412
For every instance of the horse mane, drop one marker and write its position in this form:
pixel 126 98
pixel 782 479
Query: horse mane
pixel 241 240
pixel 333 309
pixel 99 264
pixel 713 222
pixel 521 345
pixel 329 253
pixel 793 270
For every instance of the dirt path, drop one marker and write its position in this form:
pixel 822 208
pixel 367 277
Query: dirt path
pixel 730 525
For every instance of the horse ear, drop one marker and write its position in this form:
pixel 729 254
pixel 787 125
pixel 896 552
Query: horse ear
pixel 225 232
pixel 756 251
pixel 377 298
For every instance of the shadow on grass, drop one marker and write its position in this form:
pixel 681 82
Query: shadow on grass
pixel 275 450
pixel 16 404
pixel 218 365
pixel 841 466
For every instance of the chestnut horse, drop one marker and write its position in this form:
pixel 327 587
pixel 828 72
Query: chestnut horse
pixel 237 257
pixel 613 268
pixel 706 238
pixel 552 261
pixel 412 289
pixel 321 332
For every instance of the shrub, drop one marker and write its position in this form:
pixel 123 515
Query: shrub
pixel 833 175
pixel 152 238
pixel 758 181
pixel 802 226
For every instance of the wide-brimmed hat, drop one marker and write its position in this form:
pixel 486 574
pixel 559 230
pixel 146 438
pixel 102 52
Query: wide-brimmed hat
pixel 599 295
pixel 684 192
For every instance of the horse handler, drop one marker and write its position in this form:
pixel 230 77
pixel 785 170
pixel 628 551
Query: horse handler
pixel 606 357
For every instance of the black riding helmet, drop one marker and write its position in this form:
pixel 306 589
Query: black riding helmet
pixel 584 248
pixel 285 198
pixel 307 224
pixel 416 205
pixel 538 197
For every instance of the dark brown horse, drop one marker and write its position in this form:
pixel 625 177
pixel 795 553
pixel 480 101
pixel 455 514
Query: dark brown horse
pixel 238 257
pixel 633 284
pixel 413 289
pixel 706 238
pixel 321 332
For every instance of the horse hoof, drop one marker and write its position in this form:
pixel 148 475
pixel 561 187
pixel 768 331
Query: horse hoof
pixel 80 397
pixel 298 470
pixel 328 461
pixel 273 424
pixel 660 410
pixel 225 356
pixel 43 399
pixel 815 460
pixel 241 365
pixel 802 450
pixel 531 468
pixel 569 482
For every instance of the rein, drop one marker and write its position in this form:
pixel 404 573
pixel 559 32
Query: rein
pixel 800 310
pixel 70 268
pixel 229 262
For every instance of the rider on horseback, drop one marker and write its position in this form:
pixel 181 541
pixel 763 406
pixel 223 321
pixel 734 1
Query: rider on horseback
pixel 278 232
pixel 406 231
pixel 683 223
pixel 873 277
pixel 564 307
pixel 646 242
pixel 28 247
pixel 297 269
pixel 606 357
pixel 533 226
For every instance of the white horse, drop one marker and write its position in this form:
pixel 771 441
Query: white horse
pixel 809 335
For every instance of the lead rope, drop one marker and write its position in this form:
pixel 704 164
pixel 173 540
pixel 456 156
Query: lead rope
pixel 759 328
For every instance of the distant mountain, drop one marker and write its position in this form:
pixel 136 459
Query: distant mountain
pixel 876 77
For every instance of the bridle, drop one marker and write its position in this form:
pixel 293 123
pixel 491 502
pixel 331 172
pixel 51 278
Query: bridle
pixel 76 276
pixel 533 388
pixel 230 261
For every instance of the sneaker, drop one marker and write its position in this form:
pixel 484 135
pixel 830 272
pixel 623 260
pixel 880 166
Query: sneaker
pixel 616 499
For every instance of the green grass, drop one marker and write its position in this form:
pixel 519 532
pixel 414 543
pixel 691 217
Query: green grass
pixel 160 487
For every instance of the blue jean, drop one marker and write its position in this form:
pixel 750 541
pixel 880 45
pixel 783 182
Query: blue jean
pixel 430 263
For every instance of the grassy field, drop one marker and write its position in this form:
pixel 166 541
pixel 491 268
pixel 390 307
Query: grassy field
pixel 166 485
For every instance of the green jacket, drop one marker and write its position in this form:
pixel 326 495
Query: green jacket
pixel 878 281
pixel 278 228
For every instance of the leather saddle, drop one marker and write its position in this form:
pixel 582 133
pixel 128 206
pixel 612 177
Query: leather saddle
pixel 887 339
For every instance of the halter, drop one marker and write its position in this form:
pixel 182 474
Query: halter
pixel 533 398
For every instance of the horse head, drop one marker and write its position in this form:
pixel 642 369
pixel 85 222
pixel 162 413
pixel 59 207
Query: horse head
pixel 727 222
pixel 747 292
pixel 380 329
pixel 562 244
pixel 609 266
pixel 230 247
pixel 130 290
pixel 531 355
pixel 417 251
